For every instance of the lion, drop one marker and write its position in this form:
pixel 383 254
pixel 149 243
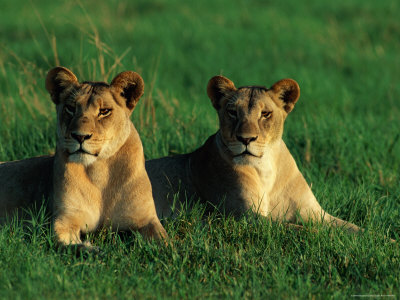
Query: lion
pixel 97 176
pixel 246 165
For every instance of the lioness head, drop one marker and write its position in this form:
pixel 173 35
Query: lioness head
pixel 251 117
pixel 92 117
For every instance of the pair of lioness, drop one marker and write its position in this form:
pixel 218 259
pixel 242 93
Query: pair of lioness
pixel 98 174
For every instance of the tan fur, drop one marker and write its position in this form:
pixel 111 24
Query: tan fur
pixel 246 164
pixel 99 176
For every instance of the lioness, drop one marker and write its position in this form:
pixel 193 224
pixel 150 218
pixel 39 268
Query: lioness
pixel 246 163
pixel 98 171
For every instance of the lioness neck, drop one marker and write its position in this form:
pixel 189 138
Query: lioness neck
pixel 247 182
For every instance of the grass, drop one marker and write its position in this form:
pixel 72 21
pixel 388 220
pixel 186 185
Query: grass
pixel 343 133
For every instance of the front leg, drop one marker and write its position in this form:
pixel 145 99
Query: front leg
pixel 297 203
pixel 153 230
pixel 77 205
pixel 134 209
pixel 311 210
pixel 70 222
pixel 67 230
pixel 336 222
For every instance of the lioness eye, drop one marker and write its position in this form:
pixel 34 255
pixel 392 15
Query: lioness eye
pixel 69 109
pixel 266 114
pixel 104 112
pixel 232 113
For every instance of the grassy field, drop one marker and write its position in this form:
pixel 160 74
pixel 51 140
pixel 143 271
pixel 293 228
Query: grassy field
pixel 343 133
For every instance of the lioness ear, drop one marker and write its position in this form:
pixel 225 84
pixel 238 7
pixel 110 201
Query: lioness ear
pixel 218 87
pixel 59 80
pixel 287 91
pixel 130 86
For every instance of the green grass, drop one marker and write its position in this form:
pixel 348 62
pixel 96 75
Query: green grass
pixel 343 133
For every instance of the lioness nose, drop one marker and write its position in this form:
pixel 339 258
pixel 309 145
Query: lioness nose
pixel 246 140
pixel 81 138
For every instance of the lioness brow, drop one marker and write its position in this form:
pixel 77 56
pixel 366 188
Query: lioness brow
pixel 260 87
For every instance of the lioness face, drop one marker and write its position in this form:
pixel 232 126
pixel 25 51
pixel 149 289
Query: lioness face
pixel 251 118
pixel 92 117
pixel 90 123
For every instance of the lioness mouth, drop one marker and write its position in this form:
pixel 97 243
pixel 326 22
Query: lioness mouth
pixel 245 153
pixel 84 152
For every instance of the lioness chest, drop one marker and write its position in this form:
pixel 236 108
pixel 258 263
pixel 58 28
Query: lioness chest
pixel 114 181
pixel 97 192
pixel 257 182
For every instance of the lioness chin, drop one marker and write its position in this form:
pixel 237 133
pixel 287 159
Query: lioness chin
pixel 97 176
pixel 246 163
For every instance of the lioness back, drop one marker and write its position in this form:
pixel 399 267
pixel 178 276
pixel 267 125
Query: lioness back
pixel 25 184
pixel 171 183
